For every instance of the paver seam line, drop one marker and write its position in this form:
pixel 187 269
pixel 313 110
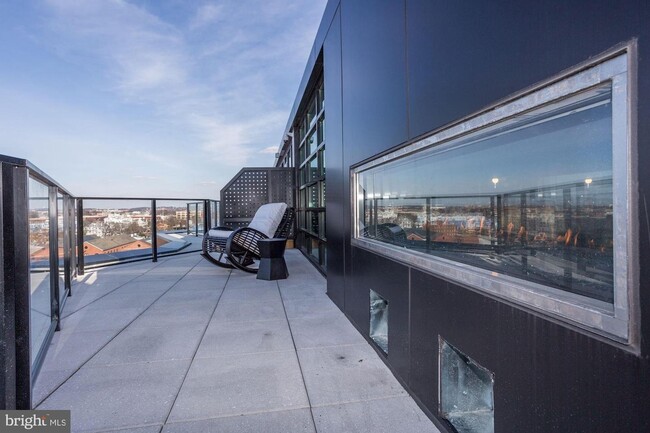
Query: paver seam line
pixel 118 287
pixel 228 355
pixel 324 316
pixel 239 414
pixel 302 374
pixel 383 397
pixel 120 429
pixel 238 302
pixel 329 346
pixel 364 344
pixel 171 407
pixel 119 364
pixel 109 341
pixel 245 321
pixel 195 327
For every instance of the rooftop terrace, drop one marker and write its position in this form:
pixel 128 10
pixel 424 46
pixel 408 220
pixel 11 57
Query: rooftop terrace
pixel 184 346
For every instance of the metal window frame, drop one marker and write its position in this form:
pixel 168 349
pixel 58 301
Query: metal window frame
pixel 620 324
pixel 304 235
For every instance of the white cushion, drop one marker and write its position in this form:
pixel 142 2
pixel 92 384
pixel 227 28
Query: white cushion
pixel 219 233
pixel 268 218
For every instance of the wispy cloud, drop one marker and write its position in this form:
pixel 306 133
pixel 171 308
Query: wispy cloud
pixel 271 150
pixel 157 158
pixel 140 52
pixel 227 102
pixel 206 14
pixel 196 94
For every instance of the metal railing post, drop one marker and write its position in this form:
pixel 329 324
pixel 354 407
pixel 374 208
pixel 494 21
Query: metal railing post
pixel 67 246
pixel 80 237
pixel 54 256
pixel 206 216
pixel 16 348
pixel 187 218
pixel 154 233
pixel 196 220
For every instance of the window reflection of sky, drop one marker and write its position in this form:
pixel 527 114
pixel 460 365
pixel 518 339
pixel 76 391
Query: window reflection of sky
pixel 565 149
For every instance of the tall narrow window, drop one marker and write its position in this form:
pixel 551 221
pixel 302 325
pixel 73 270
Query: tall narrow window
pixel 311 238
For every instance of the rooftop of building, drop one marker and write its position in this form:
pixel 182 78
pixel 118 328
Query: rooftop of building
pixel 108 242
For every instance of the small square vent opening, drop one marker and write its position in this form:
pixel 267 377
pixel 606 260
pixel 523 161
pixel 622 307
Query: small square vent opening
pixel 466 392
pixel 379 320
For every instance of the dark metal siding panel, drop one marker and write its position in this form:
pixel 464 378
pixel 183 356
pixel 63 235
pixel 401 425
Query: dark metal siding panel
pixel 548 378
pixel 424 338
pixel 336 195
pixel 374 76
pixel 374 91
pixel 465 55
pixel 390 280
pixel 461 57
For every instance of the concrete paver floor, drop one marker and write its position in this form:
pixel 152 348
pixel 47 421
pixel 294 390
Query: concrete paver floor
pixel 184 346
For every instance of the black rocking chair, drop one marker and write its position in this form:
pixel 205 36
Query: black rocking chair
pixel 238 248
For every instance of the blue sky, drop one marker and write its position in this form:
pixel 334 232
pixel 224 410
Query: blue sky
pixel 150 98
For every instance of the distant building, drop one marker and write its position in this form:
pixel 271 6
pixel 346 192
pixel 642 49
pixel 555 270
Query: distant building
pixel 112 244
pixel 414 237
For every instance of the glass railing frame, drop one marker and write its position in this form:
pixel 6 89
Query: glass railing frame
pixel 206 220
pixel 20 372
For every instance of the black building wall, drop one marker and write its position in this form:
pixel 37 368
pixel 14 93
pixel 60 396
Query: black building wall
pixel 395 70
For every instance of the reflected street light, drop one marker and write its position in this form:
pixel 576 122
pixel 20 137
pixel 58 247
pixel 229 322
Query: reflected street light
pixel 588 181
pixel 495 180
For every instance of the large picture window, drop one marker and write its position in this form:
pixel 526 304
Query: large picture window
pixel 527 201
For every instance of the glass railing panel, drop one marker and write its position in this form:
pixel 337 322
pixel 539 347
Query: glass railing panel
pixel 214 214
pixel 71 211
pixel 61 243
pixel 200 218
pixel 116 231
pixel 171 228
pixel 39 253
pixel 191 218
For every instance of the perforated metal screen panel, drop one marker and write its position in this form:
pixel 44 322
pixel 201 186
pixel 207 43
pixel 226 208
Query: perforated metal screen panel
pixel 250 189
pixel 281 186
